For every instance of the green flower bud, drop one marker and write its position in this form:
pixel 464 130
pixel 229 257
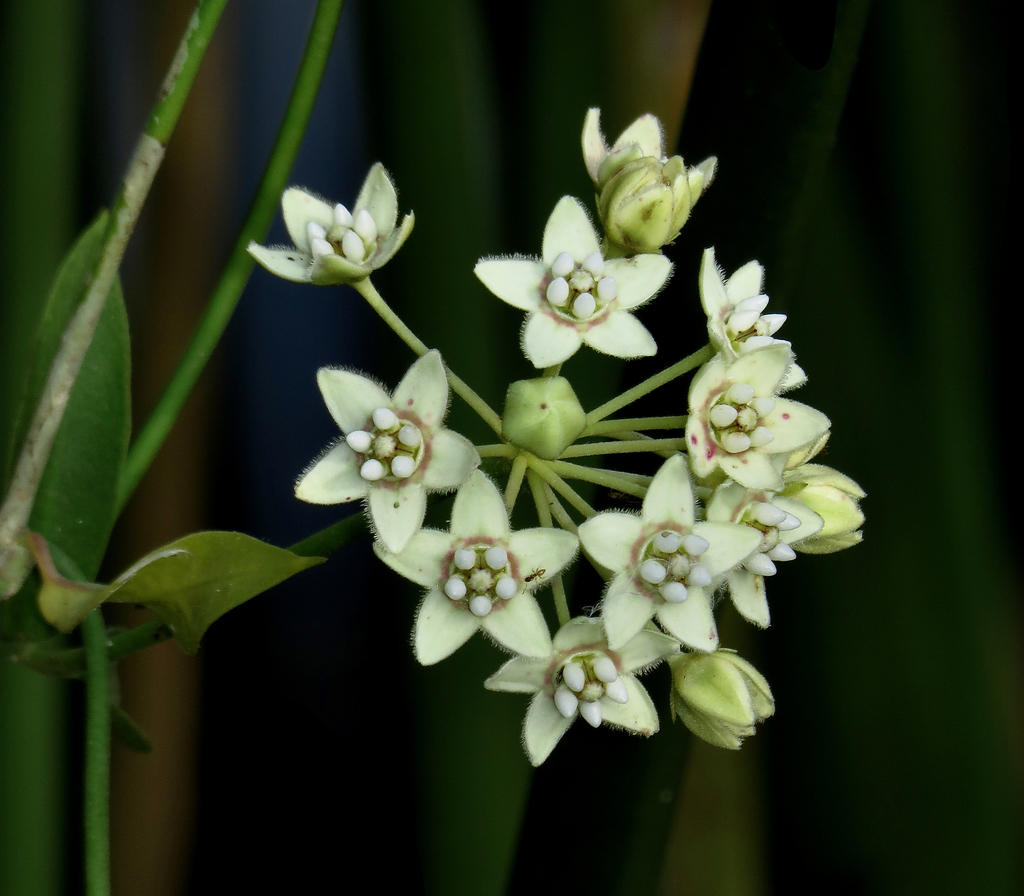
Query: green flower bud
pixel 834 497
pixel 542 416
pixel 719 696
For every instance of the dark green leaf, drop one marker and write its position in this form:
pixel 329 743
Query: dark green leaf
pixel 129 733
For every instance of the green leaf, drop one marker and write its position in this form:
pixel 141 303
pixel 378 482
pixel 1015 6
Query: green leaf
pixel 195 580
pixel 128 732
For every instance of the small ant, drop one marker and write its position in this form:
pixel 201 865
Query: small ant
pixel 535 574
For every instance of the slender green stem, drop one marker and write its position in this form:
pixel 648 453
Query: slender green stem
pixel 650 384
pixel 561 603
pixel 605 478
pixel 498 450
pixel 459 386
pixel 232 281
pixel 542 469
pixel 595 449
pixel 97 756
pixel 515 482
pixel 606 427
pixel 553 370
pixel 544 515
pixel 558 511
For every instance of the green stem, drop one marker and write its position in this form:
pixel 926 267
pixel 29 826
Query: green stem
pixel 553 370
pixel 650 384
pixel 544 515
pixel 515 482
pixel 229 289
pixel 596 449
pixel 542 469
pixel 606 427
pixel 97 756
pixel 558 511
pixel 459 386
pixel 498 450
pixel 604 478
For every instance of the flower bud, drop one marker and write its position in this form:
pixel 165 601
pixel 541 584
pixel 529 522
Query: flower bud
pixel 719 696
pixel 834 497
pixel 542 416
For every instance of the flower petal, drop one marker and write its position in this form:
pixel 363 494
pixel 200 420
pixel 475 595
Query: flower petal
pixel 479 510
pixel 334 270
pixel 452 459
pixel 625 611
pixel 794 425
pixel 622 336
pixel 645 649
pixel 547 341
pixel 350 398
pixel 542 553
pixel 763 368
pixel 519 625
pixel 729 544
pixel 794 378
pixel 749 598
pixel 811 523
pixel 568 230
pixel 378 197
pixel 520 675
pixel 608 538
pixel 638 278
pixel 636 714
pixel 702 450
pixel 442 627
pixel 646 132
pixel 746 282
pixel 751 469
pixel 513 280
pixel 397 512
pixel 423 558
pixel 708 382
pixel 691 621
pixel 333 479
pixel 578 632
pixel 713 294
pixel 423 390
pixel 543 728
pixel 290 264
pixel 594 149
pixel 670 494
pixel 298 208
pixel 393 242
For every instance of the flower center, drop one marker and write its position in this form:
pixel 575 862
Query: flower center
pixel 583 680
pixel 481 575
pixel 771 521
pixel 579 291
pixel 670 563
pixel 746 325
pixel 391 448
pixel 354 238
pixel 737 419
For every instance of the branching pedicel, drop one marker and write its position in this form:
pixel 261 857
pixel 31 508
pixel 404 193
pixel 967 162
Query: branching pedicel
pixel 745 446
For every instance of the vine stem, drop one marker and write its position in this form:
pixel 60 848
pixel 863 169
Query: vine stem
pixel 498 450
pixel 145 161
pixel 515 482
pixel 606 427
pixel 595 449
pixel 97 756
pixel 236 272
pixel 544 515
pixel 459 386
pixel 650 384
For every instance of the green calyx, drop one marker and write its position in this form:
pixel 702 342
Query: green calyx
pixel 542 416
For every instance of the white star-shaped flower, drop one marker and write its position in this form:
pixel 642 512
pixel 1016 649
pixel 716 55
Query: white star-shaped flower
pixel 583 676
pixel 332 244
pixel 395 449
pixel 481 575
pixel 665 563
pixel 738 425
pixel 573 295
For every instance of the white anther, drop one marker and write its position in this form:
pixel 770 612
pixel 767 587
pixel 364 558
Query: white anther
pixel 695 545
pixel 761 437
pixel 774 321
pixel 673 592
pixel 739 393
pixel 767 514
pixel 652 571
pixel 403 466
pixel 789 523
pixel 384 418
pixel 782 552
pixel 574 676
pixel 741 321
pixel 616 690
pixel 465 558
pixel 455 588
pixel 563 265
pixel 359 441
pixel 722 415
pixel 667 542
pixel 566 702
pixel 365 226
pixel 604 668
pixel 591 711
pixel 372 470
pixel 506 587
pixel 594 263
pixel 699 577
pixel 607 289
pixel 759 564
pixel 558 292
pixel 752 342
pixel 314 231
pixel 735 442
pixel 763 405
pixel 496 557
pixel 342 216
pixel 319 246
pixel 584 306
pixel 480 605
pixel 352 246
pixel 754 303
pixel 409 436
